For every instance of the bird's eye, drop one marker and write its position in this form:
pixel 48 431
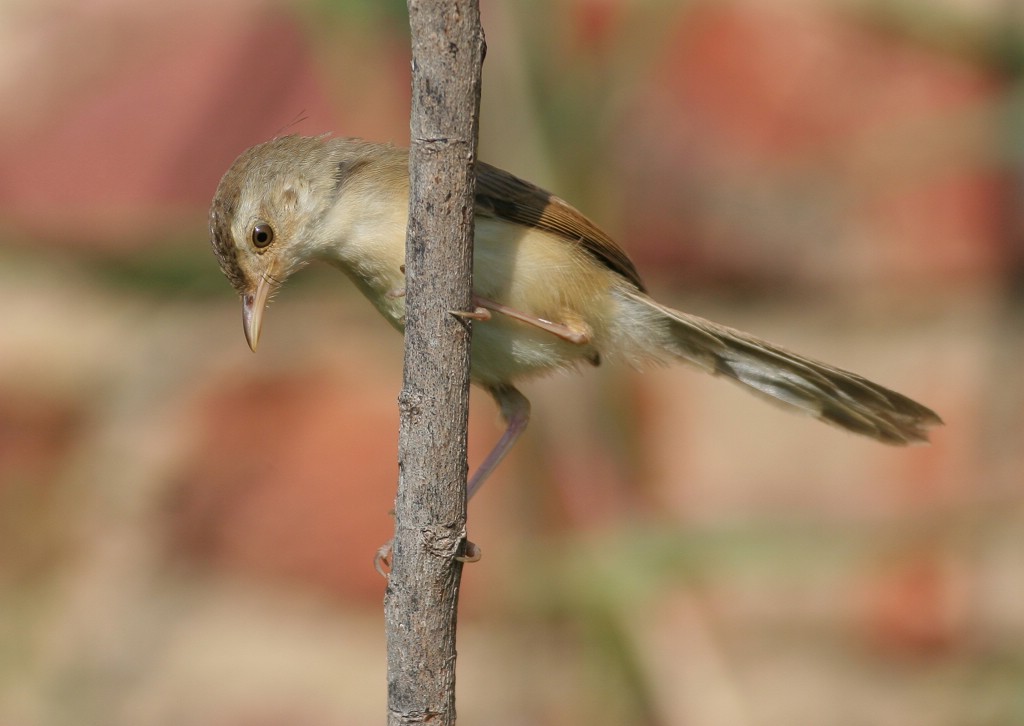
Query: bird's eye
pixel 262 235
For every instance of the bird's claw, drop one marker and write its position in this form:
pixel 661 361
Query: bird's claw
pixel 382 560
pixel 471 552
pixel 477 313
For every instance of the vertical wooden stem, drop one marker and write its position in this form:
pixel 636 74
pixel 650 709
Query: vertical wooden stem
pixel 421 601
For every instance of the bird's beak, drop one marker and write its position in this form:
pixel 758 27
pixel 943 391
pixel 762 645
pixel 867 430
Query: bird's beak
pixel 253 304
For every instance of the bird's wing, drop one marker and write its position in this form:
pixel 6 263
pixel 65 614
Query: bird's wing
pixel 502 195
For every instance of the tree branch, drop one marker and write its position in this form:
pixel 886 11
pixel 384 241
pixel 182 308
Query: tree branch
pixel 421 601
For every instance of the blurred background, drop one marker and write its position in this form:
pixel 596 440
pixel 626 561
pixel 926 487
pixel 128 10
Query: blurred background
pixel 187 530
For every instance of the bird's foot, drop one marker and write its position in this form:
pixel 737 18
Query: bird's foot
pixel 478 313
pixel 382 560
pixel 471 552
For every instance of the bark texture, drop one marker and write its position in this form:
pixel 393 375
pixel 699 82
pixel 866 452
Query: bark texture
pixel 421 600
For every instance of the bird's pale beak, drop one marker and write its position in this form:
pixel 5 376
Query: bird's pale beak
pixel 253 304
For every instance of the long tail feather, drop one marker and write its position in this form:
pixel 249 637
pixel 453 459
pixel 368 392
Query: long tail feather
pixel 823 391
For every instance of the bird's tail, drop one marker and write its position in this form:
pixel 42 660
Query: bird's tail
pixel 829 394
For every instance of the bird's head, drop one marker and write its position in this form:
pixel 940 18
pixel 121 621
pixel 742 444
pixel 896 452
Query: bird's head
pixel 264 218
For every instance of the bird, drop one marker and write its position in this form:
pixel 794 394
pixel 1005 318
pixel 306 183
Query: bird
pixel 551 290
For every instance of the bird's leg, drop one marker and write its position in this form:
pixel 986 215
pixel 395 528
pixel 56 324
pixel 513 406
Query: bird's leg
pixel 578 333
pixel 515 411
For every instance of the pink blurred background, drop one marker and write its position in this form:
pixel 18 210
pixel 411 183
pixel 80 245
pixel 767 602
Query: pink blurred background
pixel 187 530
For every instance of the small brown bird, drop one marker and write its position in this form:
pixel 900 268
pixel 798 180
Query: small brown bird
pixel 552 289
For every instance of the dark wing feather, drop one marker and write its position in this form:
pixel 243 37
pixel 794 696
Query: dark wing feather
pixel 502 195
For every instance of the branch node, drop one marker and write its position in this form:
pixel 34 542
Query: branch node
pixel 443 542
